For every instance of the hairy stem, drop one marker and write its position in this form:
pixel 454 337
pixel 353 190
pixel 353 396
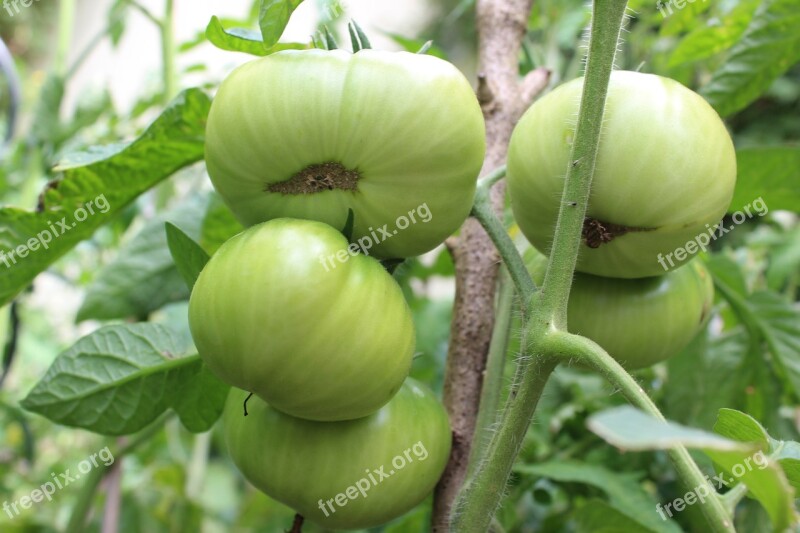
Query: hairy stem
pixel 495 365
pixel 480 499
pixel 589 352
pixel 482 210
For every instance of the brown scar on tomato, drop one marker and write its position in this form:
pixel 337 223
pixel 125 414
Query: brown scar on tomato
pixel 318 178
pixel 597 232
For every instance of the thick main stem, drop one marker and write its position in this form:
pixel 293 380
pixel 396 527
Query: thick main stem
pixel 480 499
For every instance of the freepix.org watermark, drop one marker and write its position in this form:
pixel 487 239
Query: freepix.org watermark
pixel 704 239
pixel 61 480
pixel 57 229
pixel 374 477
pixel 12 7
pixel 699 494
pixel 668 4
pixel 376 236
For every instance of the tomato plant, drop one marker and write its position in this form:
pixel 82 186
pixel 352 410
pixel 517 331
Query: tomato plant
pixel 313 133
pixel 665 173
pixel 343 475
pixel 261 317
pixel 230 307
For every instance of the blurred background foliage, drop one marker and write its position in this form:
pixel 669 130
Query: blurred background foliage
pixel 179 482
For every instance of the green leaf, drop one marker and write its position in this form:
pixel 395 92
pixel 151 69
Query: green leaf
pixel 143 277
pixel 769 47
pixel 189 257
pixel 624 492
pixel 358 38
pixel 628 428
pixel 719 35
pixel 763 476
pixel 219 225
pixel 769 173
pixel 200 400
pixel 273 18
pixel 727 273
pixel 773 321
pixel 705 377
pixel 739 426
pixel 418 45
pixel 599 517
pixel 347 230
pixel 677 20
pixel 115 381
pixel 244 40
pixel 784 260
pixel 173 141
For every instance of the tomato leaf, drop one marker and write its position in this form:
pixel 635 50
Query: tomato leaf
pixel 347 231
pixel 625 494
pixel 200 400
pixel 142 278
pixel 719 35
pixel 597 516
pixel 273 18
pixel 116 380
pixel 117 175
pixel 705 377
pixel 679 20
pixel 770 320
pixel 769 173
pixel 741 427
pixel 769 47
pixel 358 38
pixel 189 257
pixel 219 225
pixel 628 428
pixel 244 40
pixel 763 476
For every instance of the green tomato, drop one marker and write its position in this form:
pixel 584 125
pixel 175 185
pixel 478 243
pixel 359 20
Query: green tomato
pixel 396 137
pixel 343 475
pixel 640 321
pixel 665 174
pixel 317 341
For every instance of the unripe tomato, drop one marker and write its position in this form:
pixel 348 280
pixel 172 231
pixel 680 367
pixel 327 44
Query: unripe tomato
pixel 310 134
pixel 316 340
pixel 343 475
pixel 640 321
pixel 665 173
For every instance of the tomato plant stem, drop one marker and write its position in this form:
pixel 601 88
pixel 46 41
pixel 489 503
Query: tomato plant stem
pixel 581 348
pixel 483 211
pixel 66 23
pixel 489 409
pixel 479 500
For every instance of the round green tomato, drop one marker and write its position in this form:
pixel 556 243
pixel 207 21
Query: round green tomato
pixel 343 475
pixel 316 339
pixel 665 174
pixel 396 137
pixel 641 321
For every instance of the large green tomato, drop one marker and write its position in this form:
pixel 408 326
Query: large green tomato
pixel 641 321
pixel 318 340
pixel 396 137
pixel 665 174
pixel 343 475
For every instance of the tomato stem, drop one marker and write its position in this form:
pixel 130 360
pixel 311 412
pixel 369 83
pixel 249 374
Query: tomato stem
pixel 483 211
pixel 481 496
